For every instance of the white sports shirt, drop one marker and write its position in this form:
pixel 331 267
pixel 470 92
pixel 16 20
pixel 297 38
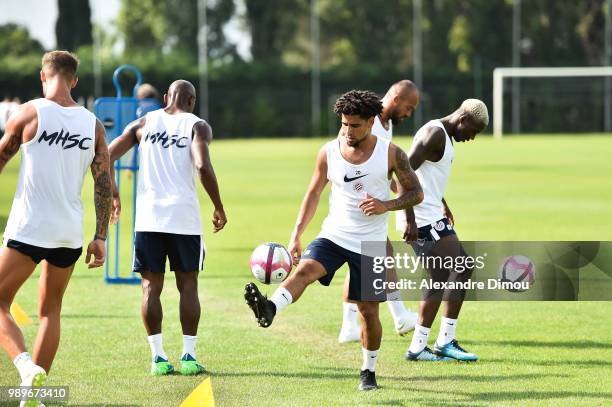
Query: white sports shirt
pixel 379 131
pixel 433 177
pixel 346 225
pixel 47 210
pixel 167 201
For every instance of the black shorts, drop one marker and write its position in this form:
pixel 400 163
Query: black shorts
pixel 332 257
pixel 59 257
pixel 185 252
pixel 428 235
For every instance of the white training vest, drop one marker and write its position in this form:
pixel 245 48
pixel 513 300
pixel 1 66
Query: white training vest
pixel 379 131
pixel 167 201
pixel 346 225
pixel 47 210
pixel 433 177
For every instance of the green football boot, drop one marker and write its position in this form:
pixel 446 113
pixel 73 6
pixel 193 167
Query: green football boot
pixel 161 367
pixel 190 366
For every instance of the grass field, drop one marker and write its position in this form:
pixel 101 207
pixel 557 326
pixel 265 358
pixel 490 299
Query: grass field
pixel 532 353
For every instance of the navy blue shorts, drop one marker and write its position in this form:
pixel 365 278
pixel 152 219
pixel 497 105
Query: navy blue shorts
pixel 332 257
pixel 59 257
pixel 185 252
pixel 429 235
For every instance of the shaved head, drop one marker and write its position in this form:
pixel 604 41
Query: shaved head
pixel 403 89
pixel 182 95
pixel 401 100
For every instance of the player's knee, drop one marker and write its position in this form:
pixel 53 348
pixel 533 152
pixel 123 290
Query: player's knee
pixel 187 283
pixel 49 309
pixel 151 289
pixel 368 310
pixel 307 273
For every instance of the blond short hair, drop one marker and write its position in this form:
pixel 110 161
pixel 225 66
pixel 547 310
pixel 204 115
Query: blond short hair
pixel 477 111
pixel 60 62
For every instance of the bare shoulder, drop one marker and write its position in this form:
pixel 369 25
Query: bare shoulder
pixel 432 137
pixel 203 130
pixel 396 155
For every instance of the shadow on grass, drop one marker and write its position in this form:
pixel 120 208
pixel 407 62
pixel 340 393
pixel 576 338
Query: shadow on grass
pixel 564 362
pixel 342 374
pixel 476 397
pixel 553 344
pixel 3 220
pixel 93 316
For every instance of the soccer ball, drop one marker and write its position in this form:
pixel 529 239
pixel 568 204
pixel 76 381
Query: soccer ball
pixel 270 263
pixel 518 270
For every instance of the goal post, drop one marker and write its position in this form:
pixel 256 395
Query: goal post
pixel 499 74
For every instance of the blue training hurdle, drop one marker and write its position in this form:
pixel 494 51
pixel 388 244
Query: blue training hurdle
pixel 116 113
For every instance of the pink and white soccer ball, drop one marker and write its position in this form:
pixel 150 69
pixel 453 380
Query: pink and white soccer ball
pixel 517 268
pixel 270 263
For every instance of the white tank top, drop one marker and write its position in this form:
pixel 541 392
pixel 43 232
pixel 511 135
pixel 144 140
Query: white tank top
pixel 167 201
pixel 47 210
pixel 433 177
pixel 346 225
pixel 379 131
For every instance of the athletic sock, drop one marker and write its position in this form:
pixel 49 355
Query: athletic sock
pixel 157 349
pixel 23 363
pixel 448 327
pixel 189 344
pixel 369 359
pixel 419 339
pixel 349 315
pixel 281 298
pixel 396 305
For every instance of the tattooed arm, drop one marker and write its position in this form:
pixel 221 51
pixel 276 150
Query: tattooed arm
pixel 117 148
pixel 100 170
pixel 21 127
pixel 409 189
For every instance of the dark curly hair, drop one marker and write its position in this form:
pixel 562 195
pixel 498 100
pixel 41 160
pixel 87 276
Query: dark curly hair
pixel 362 103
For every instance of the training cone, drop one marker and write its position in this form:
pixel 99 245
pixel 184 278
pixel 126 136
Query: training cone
pixel 201 396
pixel 19 315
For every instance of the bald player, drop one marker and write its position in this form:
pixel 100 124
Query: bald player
pixel 171 142
pixel 399 103
pixel 432 223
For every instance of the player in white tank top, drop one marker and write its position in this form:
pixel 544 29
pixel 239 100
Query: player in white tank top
pixel 399 103
pixel 59 142
pixel 359 166
pixel 172 147
pixel 431 156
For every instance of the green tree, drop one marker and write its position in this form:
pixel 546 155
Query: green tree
pixel 273 26
pixel 15 41
pixel 73 26
pixel 172 27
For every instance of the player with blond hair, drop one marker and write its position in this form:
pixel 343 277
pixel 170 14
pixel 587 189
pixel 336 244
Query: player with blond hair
pixel 432 223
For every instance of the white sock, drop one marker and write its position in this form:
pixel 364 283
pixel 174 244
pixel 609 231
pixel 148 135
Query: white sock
pixel 157 349
pixel 23 363
pixel 369 359
pixel 189 344
pixel 281 298
pixel 395 304
pixel 349 316
pixel 419 339
pixel 448 327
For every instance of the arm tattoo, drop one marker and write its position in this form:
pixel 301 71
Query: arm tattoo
pixel 409 189
pixel 100 169
pixel 9 145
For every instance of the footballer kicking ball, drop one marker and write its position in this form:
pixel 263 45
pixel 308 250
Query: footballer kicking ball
pixel 270 263
pixel 517 273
